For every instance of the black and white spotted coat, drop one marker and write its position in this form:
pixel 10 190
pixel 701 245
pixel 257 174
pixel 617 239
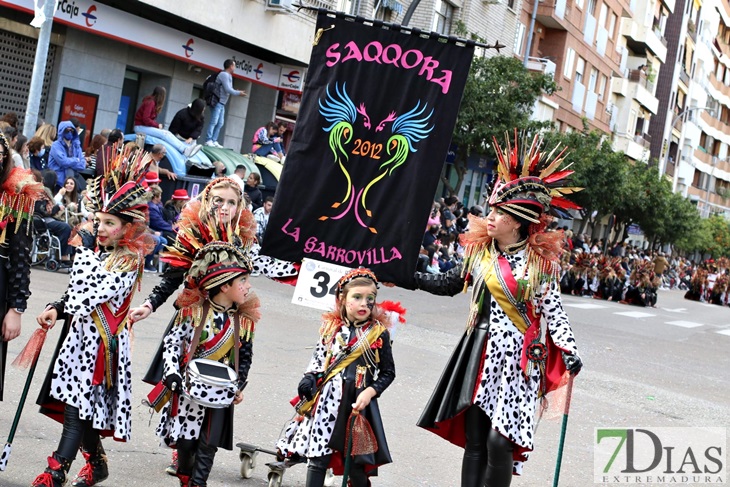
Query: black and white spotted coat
pixel 91 285
pixel 503 393
pixel 189 419
pixel 312 436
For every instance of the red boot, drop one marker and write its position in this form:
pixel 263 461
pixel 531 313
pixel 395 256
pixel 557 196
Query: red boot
pixel 184 479
pixel 95 470
pixel 55 473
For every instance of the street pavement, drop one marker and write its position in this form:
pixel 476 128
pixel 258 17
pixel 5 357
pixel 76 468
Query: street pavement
pixel 649 367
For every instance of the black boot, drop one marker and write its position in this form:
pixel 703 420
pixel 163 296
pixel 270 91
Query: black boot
pixel 55 474
pixel 317 471
pixel 95 470
pixel 204 458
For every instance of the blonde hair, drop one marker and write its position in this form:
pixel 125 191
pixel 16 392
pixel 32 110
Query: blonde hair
pixel 47 132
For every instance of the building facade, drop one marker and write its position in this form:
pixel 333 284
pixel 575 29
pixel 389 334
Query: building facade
pixel 105 56
pixel 697 129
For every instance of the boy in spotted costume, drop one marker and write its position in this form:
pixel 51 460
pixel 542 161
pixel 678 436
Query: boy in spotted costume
pixel 488 397
pixel 215 321
pixel 89 385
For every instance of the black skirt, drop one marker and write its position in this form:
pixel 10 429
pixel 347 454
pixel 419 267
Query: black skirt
pixel 454 392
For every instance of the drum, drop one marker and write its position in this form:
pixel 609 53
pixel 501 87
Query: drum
pixel 210 384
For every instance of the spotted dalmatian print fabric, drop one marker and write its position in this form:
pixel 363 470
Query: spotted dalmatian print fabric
pixel 190 415
pixel 310 436
pixel 503 392
pixel 92 285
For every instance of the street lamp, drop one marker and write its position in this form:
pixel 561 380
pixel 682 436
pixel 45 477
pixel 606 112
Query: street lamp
pixel 665 160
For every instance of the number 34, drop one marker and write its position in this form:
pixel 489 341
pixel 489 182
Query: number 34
pixel 323 288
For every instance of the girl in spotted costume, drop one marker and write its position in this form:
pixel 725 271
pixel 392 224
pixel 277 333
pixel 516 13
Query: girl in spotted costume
pixel 350 368
pixel 89 385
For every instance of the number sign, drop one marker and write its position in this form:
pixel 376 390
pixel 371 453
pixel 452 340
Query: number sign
pixel 316 284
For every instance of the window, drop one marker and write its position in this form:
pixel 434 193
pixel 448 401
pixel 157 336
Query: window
pixel 345 6
pixel 602 16
pixel 580 68
pixel 579 3
pixel 569 60
pixel 593 80
pixel 592 7
pixel 611 25
pixel 520 39
pixel 602 87
pixel 443 12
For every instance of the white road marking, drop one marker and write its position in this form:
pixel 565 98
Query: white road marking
pixel 585 305
pixel 675 310
pixel 724 332
pixel 635 314
pixel 684 324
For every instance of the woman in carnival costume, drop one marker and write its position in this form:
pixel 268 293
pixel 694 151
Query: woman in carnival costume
pixel 490 392
pixel 215 321
pixel 350 368
pixel 88 387
pixel 18 194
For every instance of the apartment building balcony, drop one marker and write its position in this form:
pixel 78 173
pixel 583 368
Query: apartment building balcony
pixel 721 166
pixel 683 76
pixel 722 46
pixel 719 86
pixel 639 38
pixel 713 122
pixel 541 65
pixel 552 14
pixel 692 30
pixel 636 86
pixel 708 203
pixel 679 123
pixel 635 147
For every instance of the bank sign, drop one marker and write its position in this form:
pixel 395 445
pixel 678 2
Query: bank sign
pixel 651 456
pixel 109 22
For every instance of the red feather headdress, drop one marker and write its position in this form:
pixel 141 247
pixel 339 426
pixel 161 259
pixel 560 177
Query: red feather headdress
pixel 530 181
pixel 119 191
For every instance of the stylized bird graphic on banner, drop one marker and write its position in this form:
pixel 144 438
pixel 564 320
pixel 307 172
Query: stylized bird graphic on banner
pixel 345 121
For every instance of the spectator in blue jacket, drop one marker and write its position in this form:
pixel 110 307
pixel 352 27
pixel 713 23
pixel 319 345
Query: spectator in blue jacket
pixel 157 218
pixel 66 158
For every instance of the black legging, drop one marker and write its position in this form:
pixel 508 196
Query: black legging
pixel 76 432
pixel 317 470
pixel 195 457
pixel 487 455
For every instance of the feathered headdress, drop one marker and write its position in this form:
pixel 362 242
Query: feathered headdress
pixel 18 195
pixel 531 182
pixel 214 265
pixel 119 191
pixel 200 224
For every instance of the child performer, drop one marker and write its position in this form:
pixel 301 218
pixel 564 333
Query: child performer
pixel 215 322
pixel 351 366
pixel 89 386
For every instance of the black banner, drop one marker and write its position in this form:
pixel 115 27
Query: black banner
pixel 374 127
